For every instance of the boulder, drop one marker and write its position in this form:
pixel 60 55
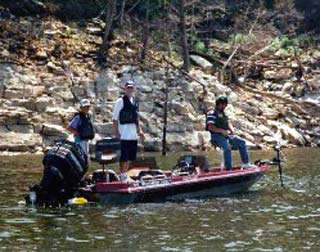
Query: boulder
pixel 112 94
pixel 42 102
pixel 15 116
pixel 152 144
pixel 233 97
pixel 20 128
pixel 220 89
pixel 176 127
pixel 200 61
pixel 287 87
pixel 23 91
pixel 252 109
pixel 104 129
pixel 54 131
pixel 41 55
pixel 282 74
pixel 105 80
pixel 145 106
pixel 292 135
pixel 53 68
pixel 21 142
pixel 270 140
pixel 181 107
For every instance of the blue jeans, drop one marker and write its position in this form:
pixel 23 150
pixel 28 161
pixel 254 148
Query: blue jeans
pixel 230 143
pixel 84 144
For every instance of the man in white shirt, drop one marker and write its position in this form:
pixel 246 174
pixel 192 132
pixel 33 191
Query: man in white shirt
pixel 126 127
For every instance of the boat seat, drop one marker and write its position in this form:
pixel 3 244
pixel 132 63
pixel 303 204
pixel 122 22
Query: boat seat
pixel 134 172
pixel 108 158
pixel 196 161
pixel 102 175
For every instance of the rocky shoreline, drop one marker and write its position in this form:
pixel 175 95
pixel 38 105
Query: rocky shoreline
pixel 38 97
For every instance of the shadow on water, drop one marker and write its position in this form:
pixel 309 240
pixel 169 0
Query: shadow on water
pixel 266 218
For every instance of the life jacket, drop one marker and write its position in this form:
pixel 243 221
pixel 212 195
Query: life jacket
pixel 129 112
pixel 85 129
pixel 219 119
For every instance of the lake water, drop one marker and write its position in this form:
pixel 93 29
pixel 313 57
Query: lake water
pixel 267 218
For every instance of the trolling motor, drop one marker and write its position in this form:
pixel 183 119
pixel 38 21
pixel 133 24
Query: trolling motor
pixel 277 160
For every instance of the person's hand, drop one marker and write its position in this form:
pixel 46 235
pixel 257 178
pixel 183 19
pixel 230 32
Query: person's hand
pixel 225 132
pixel 117 135
pixel 142 136
pixel 231 132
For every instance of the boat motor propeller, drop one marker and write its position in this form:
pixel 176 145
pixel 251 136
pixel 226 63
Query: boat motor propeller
pixel 277 160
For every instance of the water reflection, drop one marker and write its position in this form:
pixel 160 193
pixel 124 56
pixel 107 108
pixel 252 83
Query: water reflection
pixel 268 218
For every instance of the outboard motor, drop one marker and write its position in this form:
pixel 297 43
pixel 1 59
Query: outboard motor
pixel 64 166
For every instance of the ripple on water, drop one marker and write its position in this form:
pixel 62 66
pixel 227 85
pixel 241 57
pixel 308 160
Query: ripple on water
pixel 5 234
pixel 236 245
pixel 72 239
pixel 20 221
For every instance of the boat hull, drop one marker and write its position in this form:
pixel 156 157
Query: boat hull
pixel 197 188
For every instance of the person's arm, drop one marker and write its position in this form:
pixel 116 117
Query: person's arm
pixel 73 131
pixel 211 120
pixel 115 128
pixel 73 125
pixel 231 128
pixel 140 132
pixel 115 117
pixel 213 128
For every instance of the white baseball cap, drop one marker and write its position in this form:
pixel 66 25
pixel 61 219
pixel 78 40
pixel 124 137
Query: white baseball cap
pixel 85 103
pixel 129 83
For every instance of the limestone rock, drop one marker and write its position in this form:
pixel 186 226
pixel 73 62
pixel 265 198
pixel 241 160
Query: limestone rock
pixel 104 129
pixel 21 142
pixel 54 130
pixel 202 62
pixel 152 144
pixel 54 68
pixel 287 87
pixel 282 74
pixel 105 80
pixel 292 135
pixel 42 102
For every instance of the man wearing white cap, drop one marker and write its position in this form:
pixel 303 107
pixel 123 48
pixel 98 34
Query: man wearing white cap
pixel 126 128
pixel 81 126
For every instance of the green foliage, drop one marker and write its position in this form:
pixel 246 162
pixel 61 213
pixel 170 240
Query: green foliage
pixel 200 47
pixel 285 46
pixel 306 41
pixel 241 39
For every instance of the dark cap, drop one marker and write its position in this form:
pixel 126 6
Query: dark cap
pixel 222 99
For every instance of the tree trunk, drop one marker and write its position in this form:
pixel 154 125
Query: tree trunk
pixel 123 5
pixel 146 35
pixel 111 11
pixel 184 40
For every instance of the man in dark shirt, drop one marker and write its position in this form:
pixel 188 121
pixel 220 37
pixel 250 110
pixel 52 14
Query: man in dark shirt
pixel 222 134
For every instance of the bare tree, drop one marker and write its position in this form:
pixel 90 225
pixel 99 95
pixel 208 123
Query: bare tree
pixel 183 32
pixel 145 33
pixel 110 14
pixel 123 5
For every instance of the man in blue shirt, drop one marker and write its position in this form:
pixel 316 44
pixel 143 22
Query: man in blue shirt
pixel 222 134
pixel 81 126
